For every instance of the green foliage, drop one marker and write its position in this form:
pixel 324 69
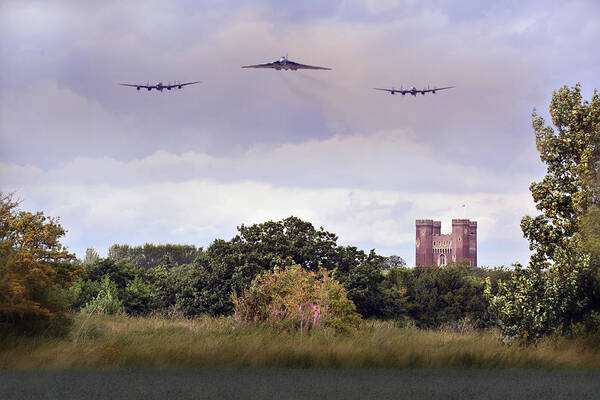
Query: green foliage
pixel 138 290
pixel 393 261
pixel 294 298
pixel 82 292
pixel 572 156
pixel 436 296
pixel 590 232
pixel 228 267
pixel 106 301
pixel 35 268
pixel 361 275
pixel 538 302
pixel 396 300
pixel 557 289
pixel 91 256
pixel 590 242
pixel 152 256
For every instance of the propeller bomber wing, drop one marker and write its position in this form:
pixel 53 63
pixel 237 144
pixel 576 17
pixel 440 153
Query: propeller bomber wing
pixel 413 91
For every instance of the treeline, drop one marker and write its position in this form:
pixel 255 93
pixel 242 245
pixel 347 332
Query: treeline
pixel 190 281
pixel 558 292
pixel 40 281
pixel 152 256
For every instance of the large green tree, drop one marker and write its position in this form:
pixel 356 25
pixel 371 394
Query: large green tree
pixel 228 267
pixel 554 291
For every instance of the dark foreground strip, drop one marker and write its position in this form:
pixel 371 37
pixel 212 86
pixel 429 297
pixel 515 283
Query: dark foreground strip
pixel 265 383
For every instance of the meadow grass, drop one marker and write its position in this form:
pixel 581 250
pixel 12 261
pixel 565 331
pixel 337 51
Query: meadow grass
pixel 103 341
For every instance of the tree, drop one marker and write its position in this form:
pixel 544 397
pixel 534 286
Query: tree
pixel 119 252
pixel 138 291
pixel 360 273
pixel 91 256
pixel 436 296
pixel 291 241
pixel 151 255
pixel 228 267
pixel 572 156
pixel 553 292
pixel 34 266
pixel 393 261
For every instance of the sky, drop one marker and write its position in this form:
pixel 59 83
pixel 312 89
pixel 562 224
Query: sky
pixel 247 146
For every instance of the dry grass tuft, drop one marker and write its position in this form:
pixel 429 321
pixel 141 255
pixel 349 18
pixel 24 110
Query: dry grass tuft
pixel 117 341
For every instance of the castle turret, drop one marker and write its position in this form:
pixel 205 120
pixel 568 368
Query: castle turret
pixel 473 243
pixel 424 249
pixel 460 240
pixel 437 228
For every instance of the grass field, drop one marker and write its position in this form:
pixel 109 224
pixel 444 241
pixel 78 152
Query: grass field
pixel 123 342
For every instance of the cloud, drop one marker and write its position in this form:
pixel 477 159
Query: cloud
pixel 393 160
pixel 245 146
pixel 484 119
pixel 378 6
pixel 198 211
pixel 363 188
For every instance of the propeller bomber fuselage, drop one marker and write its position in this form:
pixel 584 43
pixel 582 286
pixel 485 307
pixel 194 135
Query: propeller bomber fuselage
pixel 160 86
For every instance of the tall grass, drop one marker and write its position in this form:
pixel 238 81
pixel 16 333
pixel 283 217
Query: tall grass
pixel 102 341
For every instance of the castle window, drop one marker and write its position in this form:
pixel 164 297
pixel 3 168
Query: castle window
pixel 442 259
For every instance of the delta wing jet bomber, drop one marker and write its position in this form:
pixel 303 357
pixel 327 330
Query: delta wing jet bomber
pixel 160 86
pixel 285 64
pixel 414 91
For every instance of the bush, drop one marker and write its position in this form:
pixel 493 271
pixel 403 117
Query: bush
pixel 297 299
pixel 107 300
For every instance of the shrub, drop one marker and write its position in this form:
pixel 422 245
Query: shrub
pixel 107 300
pixel 294 298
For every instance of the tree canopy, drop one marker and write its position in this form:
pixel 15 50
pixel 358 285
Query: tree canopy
pixel 153 255
pixel 554 292
pixel 34 265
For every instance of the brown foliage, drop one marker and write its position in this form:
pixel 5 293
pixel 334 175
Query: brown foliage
pixel 33 263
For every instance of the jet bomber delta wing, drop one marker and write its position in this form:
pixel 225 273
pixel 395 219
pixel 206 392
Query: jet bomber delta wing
pixel 285 64
pixel 414 91
pixel 160 86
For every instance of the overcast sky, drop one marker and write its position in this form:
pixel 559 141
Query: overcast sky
pixel 248 146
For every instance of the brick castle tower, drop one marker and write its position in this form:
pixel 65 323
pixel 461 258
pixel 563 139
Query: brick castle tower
pixel 433 248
